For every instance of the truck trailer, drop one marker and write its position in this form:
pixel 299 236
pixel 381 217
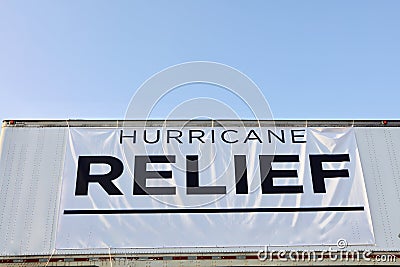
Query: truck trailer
pixel 199 192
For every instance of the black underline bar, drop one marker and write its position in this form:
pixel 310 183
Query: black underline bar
pixel 215 210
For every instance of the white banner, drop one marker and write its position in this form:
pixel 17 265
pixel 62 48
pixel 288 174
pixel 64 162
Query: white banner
pixel 206 187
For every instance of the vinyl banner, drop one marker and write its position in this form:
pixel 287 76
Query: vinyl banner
pixel 150 187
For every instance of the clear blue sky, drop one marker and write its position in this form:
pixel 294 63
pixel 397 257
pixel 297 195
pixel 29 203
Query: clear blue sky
pixel 312 59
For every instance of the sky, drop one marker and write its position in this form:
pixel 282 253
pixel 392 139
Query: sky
pixel 72 59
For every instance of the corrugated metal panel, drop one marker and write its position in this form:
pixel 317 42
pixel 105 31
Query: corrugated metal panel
pixel 30 172
pixel 380 159
pixel 31 163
